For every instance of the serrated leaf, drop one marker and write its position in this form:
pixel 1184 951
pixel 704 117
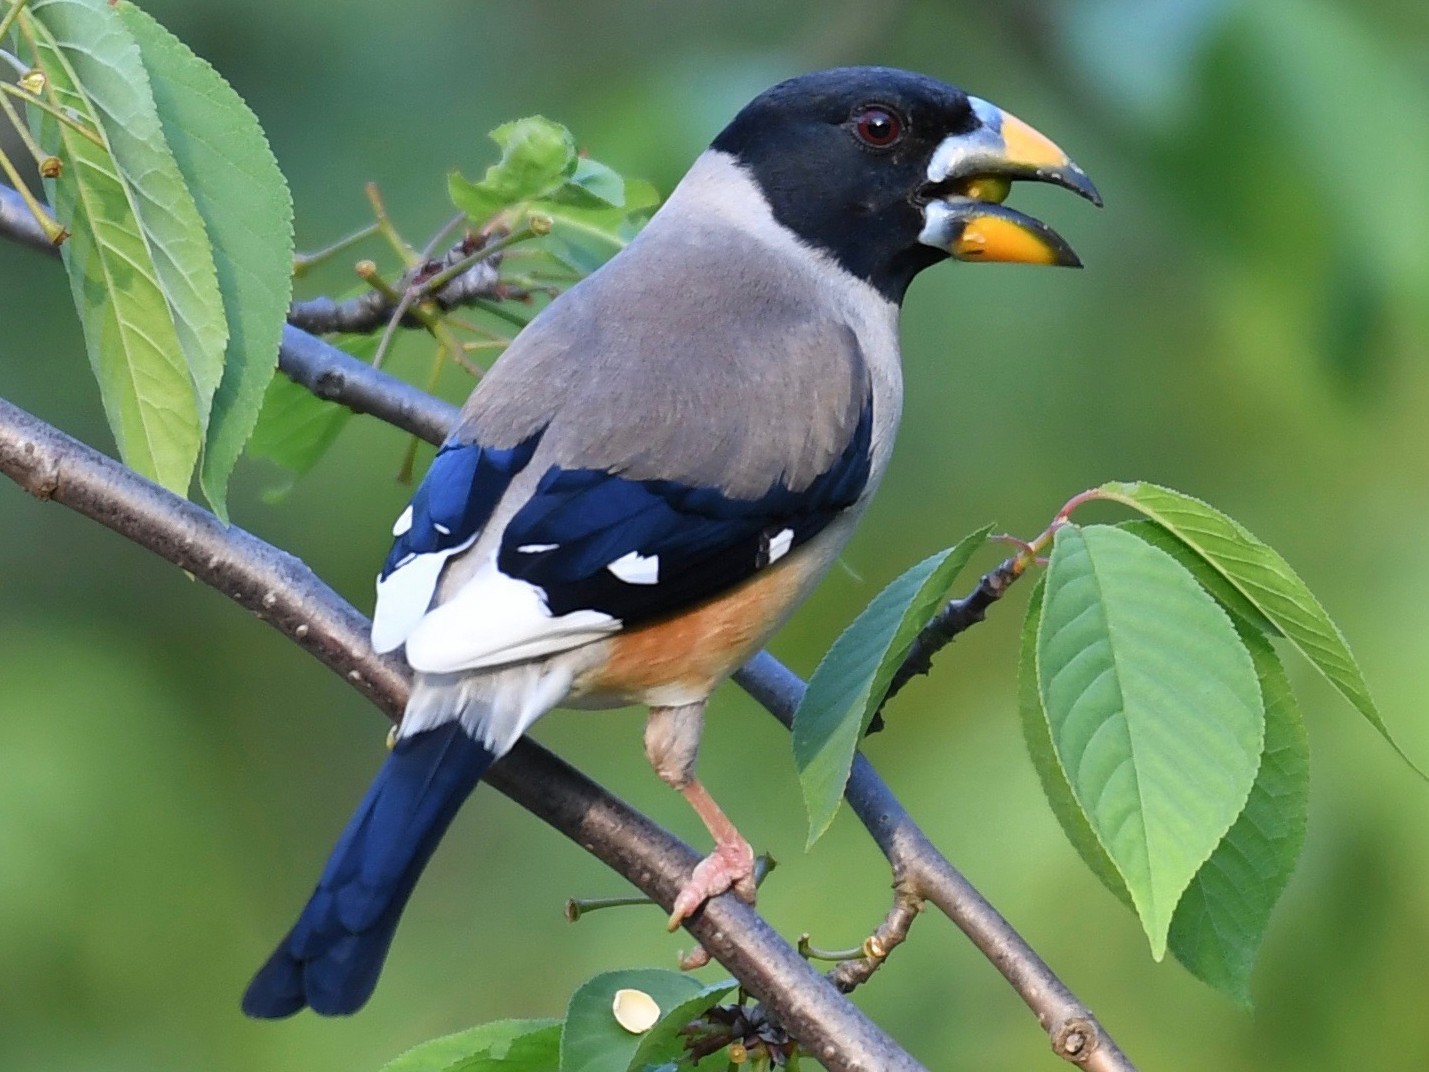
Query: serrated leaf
pixel 247 210
pixel 1038 734
pixel 1154 709
pixel 1221 920
pixel 593 1041
pixel 537 156
pixel 853 677
pixel 157 371
pixel 502 1046
pixel 108 67
pixel 1226 594
pixel 1260 574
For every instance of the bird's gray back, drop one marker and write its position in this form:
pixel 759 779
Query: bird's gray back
pixel 703 355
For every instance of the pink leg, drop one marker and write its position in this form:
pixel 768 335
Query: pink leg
pixel 672 741
pixel 730 866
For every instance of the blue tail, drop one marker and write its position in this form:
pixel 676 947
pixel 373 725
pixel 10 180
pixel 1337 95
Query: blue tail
pixel 331 958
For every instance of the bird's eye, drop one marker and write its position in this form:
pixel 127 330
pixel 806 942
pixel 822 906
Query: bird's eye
pixel 877 126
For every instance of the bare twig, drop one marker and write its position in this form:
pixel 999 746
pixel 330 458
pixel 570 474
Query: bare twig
pixel 468 271
pixel 337 376
pixel 282 589
pixel 958 615
pixel 907 903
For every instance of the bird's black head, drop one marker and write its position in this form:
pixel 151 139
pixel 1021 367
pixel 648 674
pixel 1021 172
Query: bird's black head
pixel 890 171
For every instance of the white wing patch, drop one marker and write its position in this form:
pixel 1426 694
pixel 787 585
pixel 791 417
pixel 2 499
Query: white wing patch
pixel 494 619
pixel 403 524
pixel 779 545
pixel 536 548
pixel 636 568
pixel 404 595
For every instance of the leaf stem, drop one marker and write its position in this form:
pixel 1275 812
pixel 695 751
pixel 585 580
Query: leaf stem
pixel 53 230
pixel 576 907
pixel 56 113
pixel 809 951
pixel 1064 514
pixel 22 129
pixel 579 906
pixel 385 227
pixel 304 263
pixel 16 7
pixel 496 310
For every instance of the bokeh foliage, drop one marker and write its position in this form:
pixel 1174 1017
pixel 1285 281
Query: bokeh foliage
pixel 1252 328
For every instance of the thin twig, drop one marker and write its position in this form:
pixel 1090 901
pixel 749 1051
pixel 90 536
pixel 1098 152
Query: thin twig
pixel 303 263
pixel 478 279
pixel 854 972
pixel 956 616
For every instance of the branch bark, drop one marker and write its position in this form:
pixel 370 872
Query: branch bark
pixel 283 590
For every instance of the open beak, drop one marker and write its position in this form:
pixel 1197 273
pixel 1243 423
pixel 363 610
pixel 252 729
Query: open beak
pixel 970 175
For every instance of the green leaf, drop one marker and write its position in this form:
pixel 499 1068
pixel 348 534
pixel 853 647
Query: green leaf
pixel 537 157
pixel 248 213
pixel 585 237
pixel 295 428
pixel 853 677
pixel 1154 710
pixel 1265 579
pixel 1037 732
pixel 138 261
pixel 663 1043
pixel 1222 918
pixel 592 185
pixel 594 1042
pixel 1224 593
pixel 641 198
pixel 502 1046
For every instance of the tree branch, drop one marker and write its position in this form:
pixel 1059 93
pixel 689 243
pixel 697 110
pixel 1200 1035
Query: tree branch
pixel 18 224
pixel 468 271
pixel 281 589
pixel 337 376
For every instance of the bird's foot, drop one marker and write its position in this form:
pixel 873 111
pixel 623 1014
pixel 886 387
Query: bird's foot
pixel 729 867
pixel 697 957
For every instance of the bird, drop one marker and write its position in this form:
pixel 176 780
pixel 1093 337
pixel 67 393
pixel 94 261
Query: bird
pixel 661 466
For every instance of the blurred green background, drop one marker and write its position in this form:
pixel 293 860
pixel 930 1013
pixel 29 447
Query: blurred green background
pixel 1252 327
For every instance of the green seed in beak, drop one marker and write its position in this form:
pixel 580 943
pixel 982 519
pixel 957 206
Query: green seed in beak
pixel 990 188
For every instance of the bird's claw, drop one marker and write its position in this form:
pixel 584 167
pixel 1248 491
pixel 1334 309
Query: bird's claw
pixel 697 957
pixel 729 867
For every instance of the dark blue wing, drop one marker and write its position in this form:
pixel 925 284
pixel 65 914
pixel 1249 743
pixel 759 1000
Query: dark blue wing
pixel 456 498
pixel 684 544
pixel 453 503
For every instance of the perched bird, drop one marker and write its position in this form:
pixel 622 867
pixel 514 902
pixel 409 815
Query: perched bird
pixel 661 466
